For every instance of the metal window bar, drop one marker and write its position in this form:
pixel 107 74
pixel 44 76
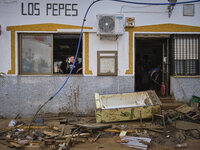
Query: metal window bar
pixel 198 51
pixel 185 54
pixel 172 53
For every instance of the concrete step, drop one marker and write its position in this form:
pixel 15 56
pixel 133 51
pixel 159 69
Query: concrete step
pixel 173 105
pixel 167 99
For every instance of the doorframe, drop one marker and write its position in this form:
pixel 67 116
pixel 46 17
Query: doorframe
pixel 155 35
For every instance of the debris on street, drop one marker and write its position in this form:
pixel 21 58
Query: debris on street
pixel 170 127
pixel 137 142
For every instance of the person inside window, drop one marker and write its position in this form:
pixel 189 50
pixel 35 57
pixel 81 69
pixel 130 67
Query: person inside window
pixel 76 65
pixel 79 71
pixel 65 68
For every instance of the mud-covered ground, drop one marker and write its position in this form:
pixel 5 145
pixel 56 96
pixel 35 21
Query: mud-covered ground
pixel 162 138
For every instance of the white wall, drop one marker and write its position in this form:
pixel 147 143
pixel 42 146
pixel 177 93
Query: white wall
pixel 10 15
pixel 120 45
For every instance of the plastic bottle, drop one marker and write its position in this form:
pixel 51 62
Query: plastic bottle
pixel 12 123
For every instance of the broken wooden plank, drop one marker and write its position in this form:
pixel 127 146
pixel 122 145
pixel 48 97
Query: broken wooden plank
pixel 68 129
pixel 184 109
pixel 6 139
pixel 145 142
pixel 118 131
pixel 15 144
pixel 78 140
pixel 51 134
pixel 5 143
pixel 186 125
pixel 55 128
pixel 92 140
pixel 62 130
pixel 33 145
pixel 60 141
pixel 49 141
pixel 27 127
pixel 119 140
pixel 75 135
pixel 194 115
pixel 99 134
pixel 155 130
pixel 94 125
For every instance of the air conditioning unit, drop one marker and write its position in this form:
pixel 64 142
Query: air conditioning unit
pixel 110 24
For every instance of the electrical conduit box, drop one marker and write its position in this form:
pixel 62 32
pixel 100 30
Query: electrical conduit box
pixel 127 106
pixel 129 21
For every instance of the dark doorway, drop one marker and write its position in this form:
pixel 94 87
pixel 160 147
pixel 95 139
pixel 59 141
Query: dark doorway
pixel 150 55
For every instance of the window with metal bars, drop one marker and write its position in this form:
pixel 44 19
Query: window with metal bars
pixel 185 54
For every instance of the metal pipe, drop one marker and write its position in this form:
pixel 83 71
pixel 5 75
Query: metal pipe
pixel 163 64
pixel 167 75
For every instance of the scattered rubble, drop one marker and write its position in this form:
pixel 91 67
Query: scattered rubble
pixel 195 134
pixel 170 128
pixel 130 134
pixel 180 137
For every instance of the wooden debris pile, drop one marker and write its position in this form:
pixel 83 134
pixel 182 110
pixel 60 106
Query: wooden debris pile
pixel 170 128
pixel 62 136
pixel 189 112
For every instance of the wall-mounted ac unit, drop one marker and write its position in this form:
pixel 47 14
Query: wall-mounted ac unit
pixel 110 24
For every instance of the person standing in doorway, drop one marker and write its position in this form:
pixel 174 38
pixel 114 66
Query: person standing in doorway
pixel 154 75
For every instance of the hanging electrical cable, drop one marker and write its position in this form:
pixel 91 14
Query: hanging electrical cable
pixel 122 1
pixel 80 37
pixel 142 3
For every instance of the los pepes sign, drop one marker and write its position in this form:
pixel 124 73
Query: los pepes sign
pixel 51 9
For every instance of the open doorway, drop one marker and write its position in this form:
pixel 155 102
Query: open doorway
pixel 151 57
